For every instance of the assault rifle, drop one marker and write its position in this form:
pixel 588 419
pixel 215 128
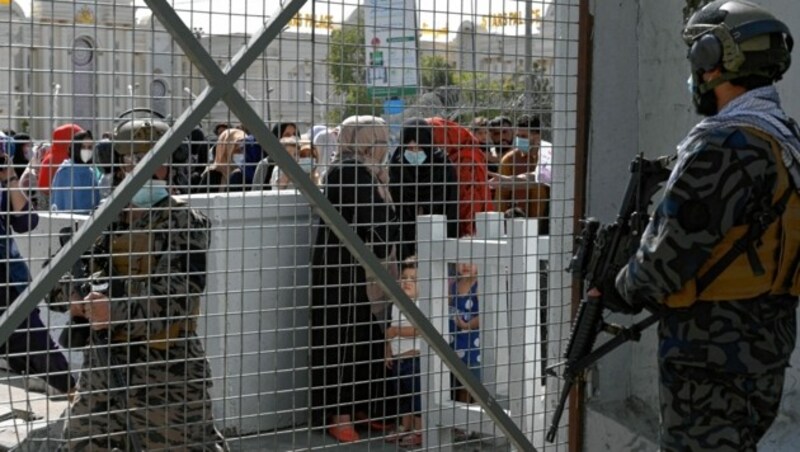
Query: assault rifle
pixel 601 252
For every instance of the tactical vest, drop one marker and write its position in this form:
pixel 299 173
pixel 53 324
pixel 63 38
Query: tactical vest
pixel 132 255
pixel 769 266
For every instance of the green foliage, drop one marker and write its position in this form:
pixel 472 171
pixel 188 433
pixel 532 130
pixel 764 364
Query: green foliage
pixel 346 67
pixel 464 94
pixel 436 71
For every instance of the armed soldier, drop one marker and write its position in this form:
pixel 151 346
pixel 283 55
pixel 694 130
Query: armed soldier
pixel 143 310
pixel 721 250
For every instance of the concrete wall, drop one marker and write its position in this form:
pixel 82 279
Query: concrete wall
pixel 640 103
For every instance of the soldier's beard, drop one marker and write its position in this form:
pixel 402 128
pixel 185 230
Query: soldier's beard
pixel 705 104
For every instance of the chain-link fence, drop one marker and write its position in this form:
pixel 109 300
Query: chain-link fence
pixel 285 225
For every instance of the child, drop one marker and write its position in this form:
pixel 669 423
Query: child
pixel 404 359
pixel 465 323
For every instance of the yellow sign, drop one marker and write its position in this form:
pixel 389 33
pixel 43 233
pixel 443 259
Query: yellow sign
pixel 84 16
pixel 486 21
pixel 512 19
pixel 321 21
pixel 5 2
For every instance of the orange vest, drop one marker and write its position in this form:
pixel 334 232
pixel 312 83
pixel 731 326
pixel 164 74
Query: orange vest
pixel 778 251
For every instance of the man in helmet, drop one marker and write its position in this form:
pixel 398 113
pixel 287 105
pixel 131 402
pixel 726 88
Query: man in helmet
pixel 720 255
pixel 143 306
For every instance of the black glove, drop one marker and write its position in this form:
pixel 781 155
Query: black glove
pixel 616 303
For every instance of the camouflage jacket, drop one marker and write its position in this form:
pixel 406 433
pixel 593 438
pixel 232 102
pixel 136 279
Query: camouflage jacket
pixel 156 269
pixel 711 189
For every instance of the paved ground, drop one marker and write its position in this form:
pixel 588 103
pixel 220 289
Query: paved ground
pixel 29 422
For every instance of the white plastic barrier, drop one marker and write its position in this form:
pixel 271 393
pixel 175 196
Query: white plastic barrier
pixel 37 247
pixel 256 308
pixel 508 287
pixel 254 322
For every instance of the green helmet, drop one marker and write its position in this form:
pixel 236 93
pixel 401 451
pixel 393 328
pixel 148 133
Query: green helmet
pixel 739 37
pixel 138 136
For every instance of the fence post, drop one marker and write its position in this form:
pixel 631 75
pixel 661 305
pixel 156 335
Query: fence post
pixel 524 318
pixel 493 307
pixel 432 287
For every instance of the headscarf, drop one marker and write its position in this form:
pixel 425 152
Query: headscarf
pixel 229 141
pixel 253 154
pixel 357 139
pixel 58 152
pixel 429 188
pixel 325 141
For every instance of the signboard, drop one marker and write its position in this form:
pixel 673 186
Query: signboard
pixel 390 33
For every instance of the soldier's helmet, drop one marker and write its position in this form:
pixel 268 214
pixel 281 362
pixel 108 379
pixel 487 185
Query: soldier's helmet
pixel 138 136
pixel 137 132
pixel 740 38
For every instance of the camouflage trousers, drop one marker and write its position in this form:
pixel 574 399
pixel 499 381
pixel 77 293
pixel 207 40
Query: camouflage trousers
pixel 705 410
pixel 165 403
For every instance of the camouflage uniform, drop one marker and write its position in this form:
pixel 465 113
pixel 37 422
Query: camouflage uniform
pixel 167 386
pixel 721 363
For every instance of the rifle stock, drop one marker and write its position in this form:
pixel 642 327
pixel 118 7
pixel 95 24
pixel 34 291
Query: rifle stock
pixel 601 252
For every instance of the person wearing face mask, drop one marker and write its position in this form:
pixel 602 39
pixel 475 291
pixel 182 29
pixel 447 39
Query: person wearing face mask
pixel 519 168
pixel 225 172
pixel 75 186
pixel 305 155
pixel 719 257
pixel 422 182
pixel 347 340
pixel 143 310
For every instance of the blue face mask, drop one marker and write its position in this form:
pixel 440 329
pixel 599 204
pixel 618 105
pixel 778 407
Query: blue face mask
pixel 151 193
pixel 523 144
pixel 415 157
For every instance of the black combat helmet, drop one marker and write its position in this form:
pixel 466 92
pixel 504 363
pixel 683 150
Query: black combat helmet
pixel 740 38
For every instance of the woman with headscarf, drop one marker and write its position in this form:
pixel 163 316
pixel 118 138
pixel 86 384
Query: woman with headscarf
pixel 325 141
pixel 75 186
pixel 423 182
pixel 58 152
pixel 228 158
pixel 347 340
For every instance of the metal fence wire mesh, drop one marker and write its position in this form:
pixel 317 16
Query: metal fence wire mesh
pixel 285 225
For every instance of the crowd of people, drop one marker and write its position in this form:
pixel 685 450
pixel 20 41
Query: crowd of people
pixel 359 340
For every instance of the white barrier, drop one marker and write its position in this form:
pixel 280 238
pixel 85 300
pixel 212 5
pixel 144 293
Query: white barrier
pixel 256 308
pixel 508 289
pixel 255 312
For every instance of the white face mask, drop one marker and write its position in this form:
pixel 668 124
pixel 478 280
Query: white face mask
pixel 238 159
pixel 86 155
pixel 307 164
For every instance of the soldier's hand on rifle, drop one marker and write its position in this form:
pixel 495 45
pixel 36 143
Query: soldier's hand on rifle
pixel 614 301
pixel 98 310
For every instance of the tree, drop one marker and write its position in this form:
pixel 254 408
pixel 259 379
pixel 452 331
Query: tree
pixel 436 71
pixel 346 65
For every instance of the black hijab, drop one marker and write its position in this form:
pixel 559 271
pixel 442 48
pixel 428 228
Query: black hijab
pixel 429 188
